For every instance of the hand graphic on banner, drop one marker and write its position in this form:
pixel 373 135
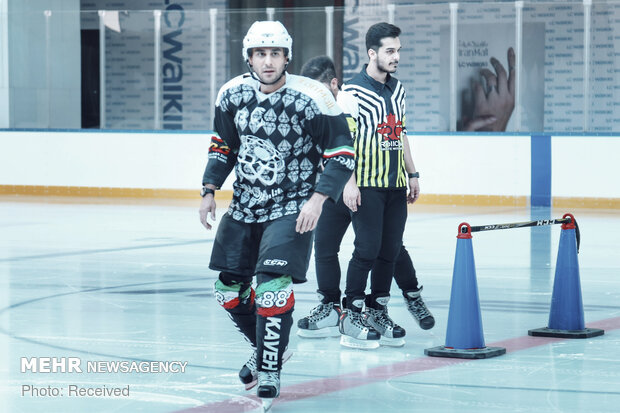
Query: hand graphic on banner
pixel 493 106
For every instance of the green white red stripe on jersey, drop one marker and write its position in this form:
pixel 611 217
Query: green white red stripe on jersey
pixel 341 150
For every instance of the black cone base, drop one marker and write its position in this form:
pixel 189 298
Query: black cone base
pixel 550 332
pixel 474 353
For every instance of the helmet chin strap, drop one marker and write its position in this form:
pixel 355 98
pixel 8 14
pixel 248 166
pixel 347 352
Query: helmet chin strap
pixel 255 76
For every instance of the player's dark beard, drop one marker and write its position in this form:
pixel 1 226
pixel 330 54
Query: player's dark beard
pixel 383 69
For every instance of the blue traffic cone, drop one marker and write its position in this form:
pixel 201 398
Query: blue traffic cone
pixel 464 337
pixel 566 314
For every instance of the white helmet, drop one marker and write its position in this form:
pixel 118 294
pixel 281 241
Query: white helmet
pixel 267 34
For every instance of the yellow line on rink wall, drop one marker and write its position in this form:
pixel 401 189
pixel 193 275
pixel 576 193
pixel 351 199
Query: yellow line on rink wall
pixel 106 192
pixel 594 203
pixel 475 200
pixel 226 195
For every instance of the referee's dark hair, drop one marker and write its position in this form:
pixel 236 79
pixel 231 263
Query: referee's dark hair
pixel 379 31
pixel 319 68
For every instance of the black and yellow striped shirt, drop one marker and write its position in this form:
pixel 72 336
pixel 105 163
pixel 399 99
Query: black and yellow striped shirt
pixel 379 156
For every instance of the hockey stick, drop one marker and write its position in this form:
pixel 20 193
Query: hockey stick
pixel 539 223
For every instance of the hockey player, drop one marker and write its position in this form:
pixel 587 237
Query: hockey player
pixel 274 129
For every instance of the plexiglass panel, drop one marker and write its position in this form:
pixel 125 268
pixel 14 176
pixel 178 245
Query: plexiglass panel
pixel 161 68
pixel 422 58
pixel 563 62
pixel 604 73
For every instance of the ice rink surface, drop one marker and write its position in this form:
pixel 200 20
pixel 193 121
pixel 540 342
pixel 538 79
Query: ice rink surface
pixel 116 281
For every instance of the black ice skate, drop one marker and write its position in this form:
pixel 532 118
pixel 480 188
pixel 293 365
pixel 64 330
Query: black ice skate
pixel 249 373
pixel 322 322
pixel 268 387
pixel 377 316
pixel 354 330
pixel 418 309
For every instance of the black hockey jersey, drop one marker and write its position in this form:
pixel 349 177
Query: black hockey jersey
pixel 275 142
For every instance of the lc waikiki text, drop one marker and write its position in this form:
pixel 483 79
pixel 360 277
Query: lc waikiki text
pixel 75 365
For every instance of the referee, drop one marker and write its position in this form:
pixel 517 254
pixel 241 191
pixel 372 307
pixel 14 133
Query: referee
pixel 384 173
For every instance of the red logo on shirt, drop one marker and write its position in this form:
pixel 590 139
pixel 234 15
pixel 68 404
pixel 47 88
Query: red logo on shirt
pixel 391 129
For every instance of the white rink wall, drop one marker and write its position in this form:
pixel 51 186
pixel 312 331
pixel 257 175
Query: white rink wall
pixel 587 167
pixel 470 164
pixel 104 159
